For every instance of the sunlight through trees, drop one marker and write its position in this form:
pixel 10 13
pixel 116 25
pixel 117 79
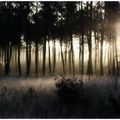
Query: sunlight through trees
pixel 59 38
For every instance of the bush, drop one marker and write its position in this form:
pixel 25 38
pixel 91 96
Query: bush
pixel 69 89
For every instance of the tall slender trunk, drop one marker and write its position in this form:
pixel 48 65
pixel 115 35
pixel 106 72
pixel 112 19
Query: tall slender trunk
pixel 40 60
pixel 19 57
pixel 7 63
pixel 54 57
pixel 5 58
pixel 27 59
pixel 72 53
pixel 117 67
pixel 28 56
pixel 89 70
pixel 117 63
pixel 110 57
pixel 62 56
pixel 96 47
pixel 44 55
pixel 80 45
pixel 66 57
pixel 36 48
pixel 36 57
pixel 8 54
pixel 2 59
pixel 82 66
pixel 108 61
pixel 98 59
pixel 16 53
pixel 69 61
pixel 101 54
pixel 113 58
pixel 49 56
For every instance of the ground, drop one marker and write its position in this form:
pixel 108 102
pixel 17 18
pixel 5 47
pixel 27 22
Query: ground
pixel 36 97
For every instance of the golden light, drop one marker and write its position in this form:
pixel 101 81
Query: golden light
pixel 66 51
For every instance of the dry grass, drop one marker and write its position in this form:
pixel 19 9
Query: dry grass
pixel 36 98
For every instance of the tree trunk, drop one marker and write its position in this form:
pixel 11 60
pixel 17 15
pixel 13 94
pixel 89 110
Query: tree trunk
pixel 36 57
pixel 62 56
pixel 89 70
pixel 54 57
pixel 44 55
pixel 96 47
pixel 8 54
pixel 49 56
pixel 28 56
pixel 80 45
pixel 19 56
pixel 82 66
pixel 66 57
pixel 72 53
pixel 101 54
pixel 6 58
pixel 27 59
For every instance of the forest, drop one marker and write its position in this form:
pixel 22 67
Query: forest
pixel 59 59
pixel 38 38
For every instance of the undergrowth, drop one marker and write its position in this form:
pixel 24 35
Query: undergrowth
pixel 69 89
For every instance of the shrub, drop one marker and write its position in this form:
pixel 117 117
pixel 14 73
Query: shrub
pixel 69 89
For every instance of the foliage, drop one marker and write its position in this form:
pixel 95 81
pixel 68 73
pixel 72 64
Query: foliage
pixel 69 89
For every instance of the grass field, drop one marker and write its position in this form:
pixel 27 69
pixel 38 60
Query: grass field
pixel 33 97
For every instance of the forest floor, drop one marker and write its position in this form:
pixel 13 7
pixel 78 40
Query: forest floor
pixel 33 97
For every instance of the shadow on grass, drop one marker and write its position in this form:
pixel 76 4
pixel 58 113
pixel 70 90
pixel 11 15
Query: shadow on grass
pixel 63 98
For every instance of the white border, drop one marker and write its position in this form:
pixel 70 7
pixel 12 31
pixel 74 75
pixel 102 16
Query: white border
pixel 59 0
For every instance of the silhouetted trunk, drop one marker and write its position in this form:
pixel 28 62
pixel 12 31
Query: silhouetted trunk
pixel 8 54
pixel 3 56
pixel 49 56
pixel 54 57
pixel 80 48
pixel 98 56
pixel 44 55
pixel 113 58
pixel 62 55
pixel 70 61
pixel 16 58
pixel 7 59
pixel 82 63
pixel 110 56
pixel 89 70
pixel 108 61
pixel 72 52
pixel 101 54
pixel 117 67
pixel 36 57
pixel 117 64
pixel 96 47
pixel 36 48
pixel 66 57
pixel 19 57
pixel 28 56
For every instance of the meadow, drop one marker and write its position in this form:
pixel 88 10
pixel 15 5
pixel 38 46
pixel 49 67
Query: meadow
pixel 37 97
